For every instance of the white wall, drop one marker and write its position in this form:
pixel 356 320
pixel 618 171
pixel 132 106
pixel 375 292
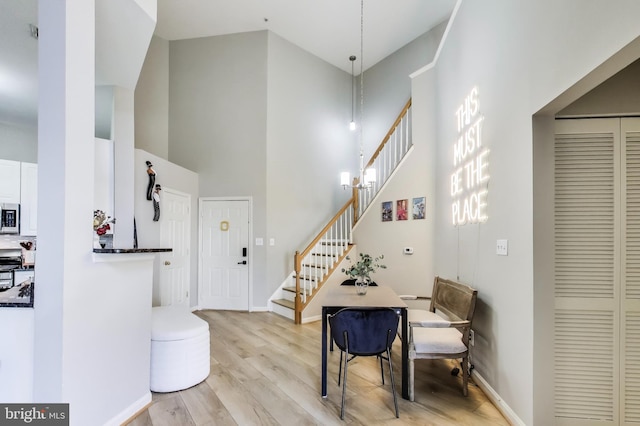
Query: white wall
pixel 152 101
pixel 387 85
pixel 218 122
pixel 308 144
pixel 92 320
pixel 619 95
pixel 16 355
pixel 168 175
pixel 18 142
pixel 518 68
pixel 406 274
pixel 389 89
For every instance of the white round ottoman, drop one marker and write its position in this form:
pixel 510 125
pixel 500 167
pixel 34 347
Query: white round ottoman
pixel 179 349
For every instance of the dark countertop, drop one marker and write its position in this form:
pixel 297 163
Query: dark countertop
pixel 131 250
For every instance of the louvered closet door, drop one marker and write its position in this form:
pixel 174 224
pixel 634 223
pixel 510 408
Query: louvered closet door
pixel 597 271
pixel 630 284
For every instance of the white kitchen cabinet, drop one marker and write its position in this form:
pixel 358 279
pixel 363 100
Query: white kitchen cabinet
pixel 28 199
pixel 9 181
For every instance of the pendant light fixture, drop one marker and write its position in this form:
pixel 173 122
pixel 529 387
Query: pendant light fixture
pixel 352 125
pixel 368 176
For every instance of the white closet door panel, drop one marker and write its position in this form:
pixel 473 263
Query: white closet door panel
pixel 586 270
pixel 630 282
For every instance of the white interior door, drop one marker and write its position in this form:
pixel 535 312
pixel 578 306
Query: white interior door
pixel 224 257
pixel 175 232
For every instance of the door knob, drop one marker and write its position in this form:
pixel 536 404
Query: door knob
pixel 167 263
pixel 244 262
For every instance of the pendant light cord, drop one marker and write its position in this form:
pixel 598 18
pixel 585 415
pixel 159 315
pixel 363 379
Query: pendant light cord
pixel 361 90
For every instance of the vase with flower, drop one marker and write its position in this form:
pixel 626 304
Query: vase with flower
pixel 101 225
pixel 362 270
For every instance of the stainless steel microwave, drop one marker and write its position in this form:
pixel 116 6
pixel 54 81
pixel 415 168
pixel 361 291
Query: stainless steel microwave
pixel 9 218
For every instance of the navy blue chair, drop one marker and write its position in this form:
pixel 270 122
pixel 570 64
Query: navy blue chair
pixel 352 281
pixel 364 332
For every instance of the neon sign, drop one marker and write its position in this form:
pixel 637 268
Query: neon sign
pixel 470 163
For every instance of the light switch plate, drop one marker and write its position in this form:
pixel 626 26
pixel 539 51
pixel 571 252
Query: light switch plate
pixel 502 247
pixel 259 241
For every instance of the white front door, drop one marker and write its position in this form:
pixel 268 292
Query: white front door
pixel 175 232
pixel 224 257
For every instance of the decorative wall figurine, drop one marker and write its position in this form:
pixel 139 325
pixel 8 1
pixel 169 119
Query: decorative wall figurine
pixel 152 180
pixel 156 203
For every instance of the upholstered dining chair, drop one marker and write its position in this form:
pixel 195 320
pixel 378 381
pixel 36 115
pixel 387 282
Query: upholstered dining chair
pixel 352 281
pixel 364 332
pixel 442 332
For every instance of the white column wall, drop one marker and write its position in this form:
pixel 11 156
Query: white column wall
pixel 92 320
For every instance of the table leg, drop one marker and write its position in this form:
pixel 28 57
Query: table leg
pixel 324 352
pixel 405 354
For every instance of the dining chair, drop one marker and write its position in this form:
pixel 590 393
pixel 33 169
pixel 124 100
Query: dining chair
pixel 364 332
pixel 442 332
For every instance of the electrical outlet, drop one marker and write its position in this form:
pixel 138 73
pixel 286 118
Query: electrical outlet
pixel 472 338
pixel 502 247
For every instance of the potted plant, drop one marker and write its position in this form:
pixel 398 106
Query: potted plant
pixel 362 270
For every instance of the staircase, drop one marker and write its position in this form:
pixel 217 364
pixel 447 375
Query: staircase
pixel 320 258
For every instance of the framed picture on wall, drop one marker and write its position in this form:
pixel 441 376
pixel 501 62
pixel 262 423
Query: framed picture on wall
pixel 387 211
pixel 401 209
pixel 418 207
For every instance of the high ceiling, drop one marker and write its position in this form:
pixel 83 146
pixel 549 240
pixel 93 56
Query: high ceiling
pixel 329 29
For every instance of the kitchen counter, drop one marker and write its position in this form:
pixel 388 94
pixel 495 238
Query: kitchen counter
pixel 131 250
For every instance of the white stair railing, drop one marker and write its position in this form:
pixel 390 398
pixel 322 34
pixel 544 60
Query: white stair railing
pixel 323 256
pixel 386 159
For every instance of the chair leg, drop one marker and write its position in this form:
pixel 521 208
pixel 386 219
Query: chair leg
pixel 381 369
pixel 411 380
pixel 465 376
pixel 344 383
pixel 393 383
pixel 340 368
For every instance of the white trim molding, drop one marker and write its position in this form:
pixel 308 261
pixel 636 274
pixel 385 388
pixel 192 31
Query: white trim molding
pixel 500 404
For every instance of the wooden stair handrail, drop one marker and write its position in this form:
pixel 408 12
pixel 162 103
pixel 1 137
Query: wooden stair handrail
pixel 333 220
pixel 392 129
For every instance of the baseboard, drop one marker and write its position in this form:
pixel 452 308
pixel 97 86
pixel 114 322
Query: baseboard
pixel 259 309
pixel 306 320
pixel 131 411
pixel 493 396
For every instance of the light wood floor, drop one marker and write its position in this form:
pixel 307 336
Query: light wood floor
pixel 265 370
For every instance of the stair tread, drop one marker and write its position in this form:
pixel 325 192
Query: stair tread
pixel 292 289
pixel 307 278
pixel 286 303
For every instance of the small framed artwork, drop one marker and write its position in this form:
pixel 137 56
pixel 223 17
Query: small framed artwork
pixel 401 209
pixel 418 208
pixel 387 211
